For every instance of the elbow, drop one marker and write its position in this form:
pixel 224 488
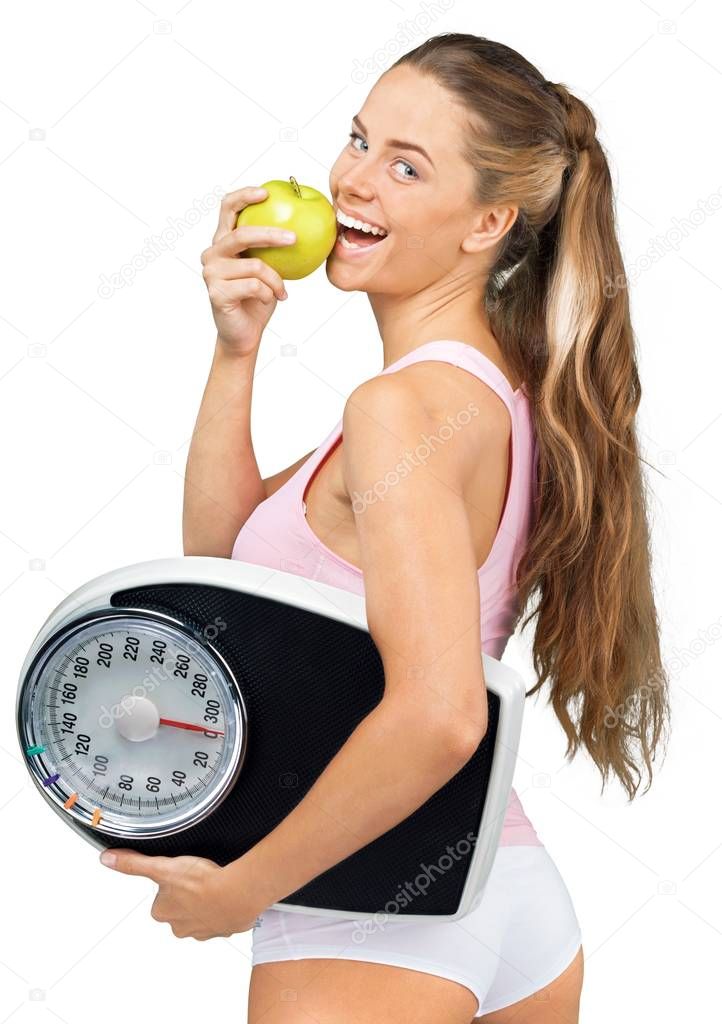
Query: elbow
pixel 440 735
pixel 460 725
pixel 445 744
pixel 462 740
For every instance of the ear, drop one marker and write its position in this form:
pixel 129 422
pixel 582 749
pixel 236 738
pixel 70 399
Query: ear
pixel 489 227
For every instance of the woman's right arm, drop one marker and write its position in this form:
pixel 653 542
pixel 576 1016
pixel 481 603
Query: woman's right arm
pixel 222 481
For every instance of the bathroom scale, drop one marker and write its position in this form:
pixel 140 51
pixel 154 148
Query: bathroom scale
pixel 184 706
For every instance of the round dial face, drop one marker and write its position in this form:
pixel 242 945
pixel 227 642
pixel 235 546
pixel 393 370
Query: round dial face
pixel 132 723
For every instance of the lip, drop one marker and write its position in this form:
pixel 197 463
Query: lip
pixel 359 216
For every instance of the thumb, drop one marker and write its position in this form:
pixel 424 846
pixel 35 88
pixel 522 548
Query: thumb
pixel 130 862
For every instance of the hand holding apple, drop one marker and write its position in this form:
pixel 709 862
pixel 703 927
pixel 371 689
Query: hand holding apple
pixel 301 209
pixel 243 292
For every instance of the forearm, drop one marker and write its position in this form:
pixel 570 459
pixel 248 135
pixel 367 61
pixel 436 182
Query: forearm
pixel 222 481
pixel 388 767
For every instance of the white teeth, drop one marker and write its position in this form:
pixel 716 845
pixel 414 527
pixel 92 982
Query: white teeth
pixel 350 245
pixel 360 225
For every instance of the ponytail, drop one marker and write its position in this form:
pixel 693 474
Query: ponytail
pixel 558 304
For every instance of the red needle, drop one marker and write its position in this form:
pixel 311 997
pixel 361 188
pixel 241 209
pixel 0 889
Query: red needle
pixel 187 725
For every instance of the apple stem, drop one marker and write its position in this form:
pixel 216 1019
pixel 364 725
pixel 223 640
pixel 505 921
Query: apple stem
pixel 296 186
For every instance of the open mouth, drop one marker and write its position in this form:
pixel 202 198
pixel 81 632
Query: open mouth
pixel 355 238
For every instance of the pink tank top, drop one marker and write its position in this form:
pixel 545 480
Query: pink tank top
pixel 277 533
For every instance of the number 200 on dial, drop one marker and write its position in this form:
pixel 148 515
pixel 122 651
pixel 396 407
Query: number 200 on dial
pixel 132 723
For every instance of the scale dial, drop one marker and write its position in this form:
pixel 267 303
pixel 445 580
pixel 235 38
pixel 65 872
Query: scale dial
pixel 132 723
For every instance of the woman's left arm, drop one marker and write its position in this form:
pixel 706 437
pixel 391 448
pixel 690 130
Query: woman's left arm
pixel 422 608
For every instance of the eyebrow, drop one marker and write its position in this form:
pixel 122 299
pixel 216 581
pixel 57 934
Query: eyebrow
pixel 398 143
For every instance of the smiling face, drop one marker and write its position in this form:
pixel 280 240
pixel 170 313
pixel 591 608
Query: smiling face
pixel 423 200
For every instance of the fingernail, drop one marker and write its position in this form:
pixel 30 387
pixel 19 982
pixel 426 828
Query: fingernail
pixel 289 236
pixel 284 294
pixel 108 859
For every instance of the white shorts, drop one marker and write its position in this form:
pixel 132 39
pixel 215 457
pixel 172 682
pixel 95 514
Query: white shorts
pixel 521 936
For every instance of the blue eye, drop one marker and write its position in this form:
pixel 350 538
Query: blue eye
pixel 400 161
pixel 354 135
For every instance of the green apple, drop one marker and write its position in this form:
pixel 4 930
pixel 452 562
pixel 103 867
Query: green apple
pixel 297 208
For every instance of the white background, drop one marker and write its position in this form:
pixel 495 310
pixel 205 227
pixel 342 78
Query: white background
pixel 115 118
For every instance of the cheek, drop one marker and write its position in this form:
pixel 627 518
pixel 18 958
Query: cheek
pixel 437 236
pixel 425 250
pixel 415 221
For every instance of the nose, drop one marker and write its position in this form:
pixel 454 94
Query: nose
pixel 352 182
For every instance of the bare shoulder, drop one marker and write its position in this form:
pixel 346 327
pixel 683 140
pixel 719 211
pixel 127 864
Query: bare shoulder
pixel 443 387
pixel 425 405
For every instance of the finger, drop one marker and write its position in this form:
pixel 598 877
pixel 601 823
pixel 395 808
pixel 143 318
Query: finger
pixel 130 862
pixel 251 235
pixel 232 204
pixel 238 291
pixel 228 269
pixel 159 909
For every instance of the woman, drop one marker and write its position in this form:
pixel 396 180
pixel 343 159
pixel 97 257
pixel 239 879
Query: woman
pixel 494 276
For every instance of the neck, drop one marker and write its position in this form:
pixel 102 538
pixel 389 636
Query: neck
pixel 407 322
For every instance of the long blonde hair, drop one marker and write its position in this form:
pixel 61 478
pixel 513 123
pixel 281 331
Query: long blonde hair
pixel 558 305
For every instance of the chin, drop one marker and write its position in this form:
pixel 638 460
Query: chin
pixel 338 279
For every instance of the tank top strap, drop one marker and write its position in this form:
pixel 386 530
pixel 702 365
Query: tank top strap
pixel 459 353
pixel 299 481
